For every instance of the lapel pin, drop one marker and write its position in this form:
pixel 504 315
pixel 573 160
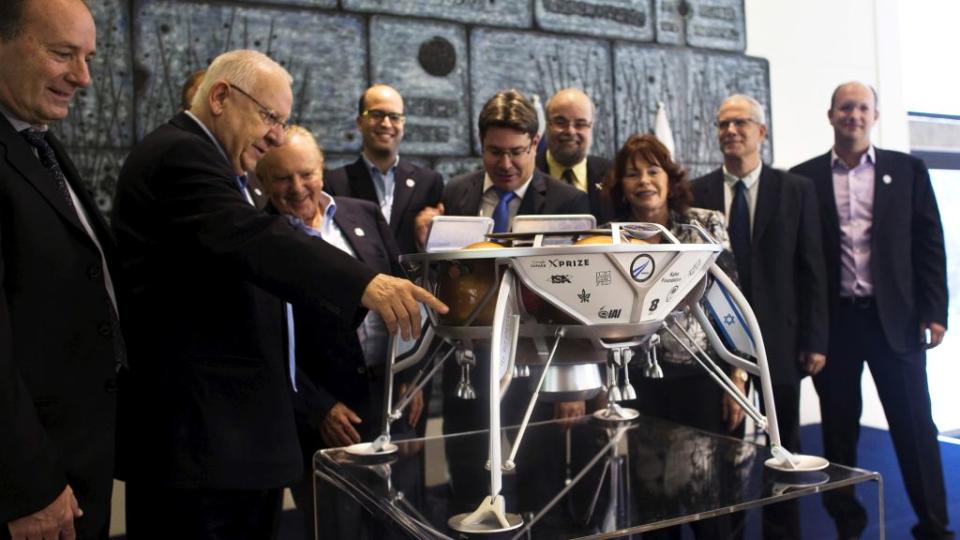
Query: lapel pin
pixel 410 182
pixel 358 231
pixel 887 179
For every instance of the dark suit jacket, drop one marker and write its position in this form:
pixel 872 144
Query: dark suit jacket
pixel 789 289
pixel 907 260
pixel 597 168
pixel 330 364
pixel 546 195
pixel 354 181
pixel 206 403
pixel 57 358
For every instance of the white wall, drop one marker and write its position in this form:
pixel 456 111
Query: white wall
pixel 812 46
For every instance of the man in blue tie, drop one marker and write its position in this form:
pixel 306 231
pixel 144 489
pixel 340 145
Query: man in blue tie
pixel 775 234
pixel 509 185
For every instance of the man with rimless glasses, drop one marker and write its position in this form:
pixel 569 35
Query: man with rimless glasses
pixel 774 226
pixel 399 187
pixel 207 438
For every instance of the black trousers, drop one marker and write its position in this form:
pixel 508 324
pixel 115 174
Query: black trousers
pixel 161 513
pixel 856 336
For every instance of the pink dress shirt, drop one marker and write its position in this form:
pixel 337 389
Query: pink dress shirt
pixel 853 190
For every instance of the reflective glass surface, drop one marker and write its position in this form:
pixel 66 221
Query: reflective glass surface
pixel 595 480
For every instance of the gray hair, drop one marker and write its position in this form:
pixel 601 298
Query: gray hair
pixel 757 113
pixel 240 68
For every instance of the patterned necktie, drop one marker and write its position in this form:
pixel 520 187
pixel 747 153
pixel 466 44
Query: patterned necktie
pixel 501 214
pixel 740 235
pixel 38 140
pixel 48 159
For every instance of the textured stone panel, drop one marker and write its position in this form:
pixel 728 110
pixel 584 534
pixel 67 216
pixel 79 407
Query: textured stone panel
pixel 513 13
pixel 427 63
pixel 101 113
pixel 99 168
pixel 670 21
pixel 540 65
pixel 331 4
pixel 717 24
pixel 325 53
pixel 625 19
pixel 452 167
pixel 691 84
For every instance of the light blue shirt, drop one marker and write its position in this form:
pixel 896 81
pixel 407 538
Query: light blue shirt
pixel 383 184
pixel 372 332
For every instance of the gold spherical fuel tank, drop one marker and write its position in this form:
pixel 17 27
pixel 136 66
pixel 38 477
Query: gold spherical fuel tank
pixel 463 284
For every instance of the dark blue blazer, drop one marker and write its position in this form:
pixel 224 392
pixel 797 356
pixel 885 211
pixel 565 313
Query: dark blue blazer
pixel 546 195
pixel 354 181
pixel 907 257
pixel 330 364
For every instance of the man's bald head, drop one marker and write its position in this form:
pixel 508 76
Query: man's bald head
pixel 569 126
pixel 381 121
pixel 853 112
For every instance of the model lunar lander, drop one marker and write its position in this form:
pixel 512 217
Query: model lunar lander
pixel 604 295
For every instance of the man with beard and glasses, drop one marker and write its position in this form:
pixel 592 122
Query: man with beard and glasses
pixel 569 135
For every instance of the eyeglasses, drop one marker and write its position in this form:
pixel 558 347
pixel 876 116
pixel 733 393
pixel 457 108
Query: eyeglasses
pixel 563 123
pixel 378 116
pixel 738 123
pixel 269 117
pixel 512 153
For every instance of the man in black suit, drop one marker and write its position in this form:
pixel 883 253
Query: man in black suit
pixel 340 366
pixel 400 188
pixel 774 232
pixel 569 135
pixel 886 272
pixel 207 437
pixel 60 341
pixel 508 186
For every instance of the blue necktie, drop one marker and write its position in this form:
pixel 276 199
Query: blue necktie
pixel 740 235
pixel 501 214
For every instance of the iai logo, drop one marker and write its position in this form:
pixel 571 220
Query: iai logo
pixel 641 269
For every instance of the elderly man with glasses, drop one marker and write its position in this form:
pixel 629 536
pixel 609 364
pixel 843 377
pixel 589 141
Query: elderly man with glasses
pixel 569 136
pixel 399 187
pixel 774 226
pixel 207 432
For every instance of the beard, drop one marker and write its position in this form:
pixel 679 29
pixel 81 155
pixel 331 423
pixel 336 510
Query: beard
pixel 569 155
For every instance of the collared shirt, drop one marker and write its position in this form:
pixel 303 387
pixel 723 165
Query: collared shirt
pixel 210 135
pixel 579 171
pixel 383 183
pixel 853 189
pixel 20 125
pixel 752 181
pixel 491 198
pixel 372 332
